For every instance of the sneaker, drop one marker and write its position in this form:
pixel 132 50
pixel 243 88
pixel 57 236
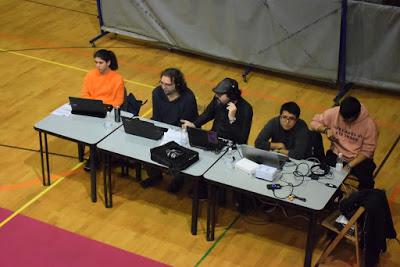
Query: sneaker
pixel 87 166
pixel 151 181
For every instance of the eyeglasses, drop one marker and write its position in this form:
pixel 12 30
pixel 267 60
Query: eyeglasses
pixel 288 118
pixel 166 84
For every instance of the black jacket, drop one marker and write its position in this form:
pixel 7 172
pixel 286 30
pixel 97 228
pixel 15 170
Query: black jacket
pixel 171 112
pixel 377 224
pixel 239 130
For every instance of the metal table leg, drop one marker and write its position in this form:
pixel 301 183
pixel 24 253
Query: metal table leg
pixel 107 180
pixel 43 163
pixel 93 180
pixel 195 206
pixel 211 212
pixel 310 239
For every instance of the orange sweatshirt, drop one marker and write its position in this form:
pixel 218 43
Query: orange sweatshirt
pixel 106 87
pixel 360 136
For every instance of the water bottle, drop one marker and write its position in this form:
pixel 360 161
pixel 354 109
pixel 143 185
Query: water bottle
pixel 184 138
pixel 339 162
pixel 117 114
pixel 230 158
pixel 108 121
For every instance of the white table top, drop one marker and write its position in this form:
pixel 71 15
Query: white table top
pixel 86 129
pixel 317 194
pixel 137 147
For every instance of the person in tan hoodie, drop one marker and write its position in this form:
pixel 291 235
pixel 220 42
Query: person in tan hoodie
pixel 353 134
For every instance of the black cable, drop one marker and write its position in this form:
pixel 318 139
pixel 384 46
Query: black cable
pixel 68 9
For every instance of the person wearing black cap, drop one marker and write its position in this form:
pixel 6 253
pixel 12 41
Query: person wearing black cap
pixel 232 114
pixel 232 117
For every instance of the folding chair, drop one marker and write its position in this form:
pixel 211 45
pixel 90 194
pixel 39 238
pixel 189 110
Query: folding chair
pixel 329 224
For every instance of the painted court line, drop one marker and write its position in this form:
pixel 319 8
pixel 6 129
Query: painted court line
pixel 9 218
pixel 68 66
pixel 217 241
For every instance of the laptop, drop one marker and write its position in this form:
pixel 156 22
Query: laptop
pixel 207 140
pixel 141 128
pixel 88 107
pixel 261 156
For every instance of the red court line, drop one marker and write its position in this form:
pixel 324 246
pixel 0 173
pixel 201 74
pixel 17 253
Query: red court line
pixel 35 181
pixel 395 194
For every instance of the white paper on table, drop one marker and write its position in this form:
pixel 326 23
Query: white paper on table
pixel 64 110
pixel 178 136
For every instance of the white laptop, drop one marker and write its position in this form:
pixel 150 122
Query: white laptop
pixel 261 156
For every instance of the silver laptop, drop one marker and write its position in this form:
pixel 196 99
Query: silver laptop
pixel 260 156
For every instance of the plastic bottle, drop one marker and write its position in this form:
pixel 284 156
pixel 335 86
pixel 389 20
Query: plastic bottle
pixel 117 114
pixel 184 138
pixel 108 121
pixel 339 162
pixel 230 158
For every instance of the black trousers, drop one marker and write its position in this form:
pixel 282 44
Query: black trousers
pixel 154 173
pixel 363 171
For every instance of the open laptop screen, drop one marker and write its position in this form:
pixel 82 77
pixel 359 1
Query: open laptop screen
pixel 88 107
pixel 261 156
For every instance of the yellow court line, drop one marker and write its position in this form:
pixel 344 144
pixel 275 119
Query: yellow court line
pixel 147 112
pixel 68 66
pixel 9 218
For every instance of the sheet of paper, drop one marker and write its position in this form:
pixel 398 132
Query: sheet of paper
pixel 179 136
pixel 64 110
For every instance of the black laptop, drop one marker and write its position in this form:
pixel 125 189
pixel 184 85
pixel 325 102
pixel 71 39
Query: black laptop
pixel 207 140
pixel 88 107
pixel 141 128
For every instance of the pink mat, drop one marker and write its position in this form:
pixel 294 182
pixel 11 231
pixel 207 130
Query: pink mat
pixel 4 214
pixel 28 242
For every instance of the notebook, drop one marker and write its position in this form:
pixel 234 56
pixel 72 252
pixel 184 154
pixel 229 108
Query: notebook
pixel 260 156
pixel 207 140
pixel 88 107
pixel 141 128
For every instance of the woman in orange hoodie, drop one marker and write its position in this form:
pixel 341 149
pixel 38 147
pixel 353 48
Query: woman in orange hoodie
pixel 104 83
pixel 353 134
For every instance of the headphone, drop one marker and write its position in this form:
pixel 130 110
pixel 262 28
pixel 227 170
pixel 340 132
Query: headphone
pixel 233 93
pixel 319 170
pixel 173 153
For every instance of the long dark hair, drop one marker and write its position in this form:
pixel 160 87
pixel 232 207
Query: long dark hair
pixel 177 77
pixel 107 55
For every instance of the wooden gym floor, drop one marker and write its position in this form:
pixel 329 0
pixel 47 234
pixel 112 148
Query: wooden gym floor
pixel 44 55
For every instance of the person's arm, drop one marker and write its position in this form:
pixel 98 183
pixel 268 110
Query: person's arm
pixel 190 112
pixel 157 113
pixel 240 128
pixel 320 123
pixel 357 160
pixel 118 89
pixel 85 93
pixel 263 138
pixel 370 139
pixel 207 115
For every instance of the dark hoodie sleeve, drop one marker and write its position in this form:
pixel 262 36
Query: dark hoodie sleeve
pixel 207 115
pixel 262 140
pixel 240 129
